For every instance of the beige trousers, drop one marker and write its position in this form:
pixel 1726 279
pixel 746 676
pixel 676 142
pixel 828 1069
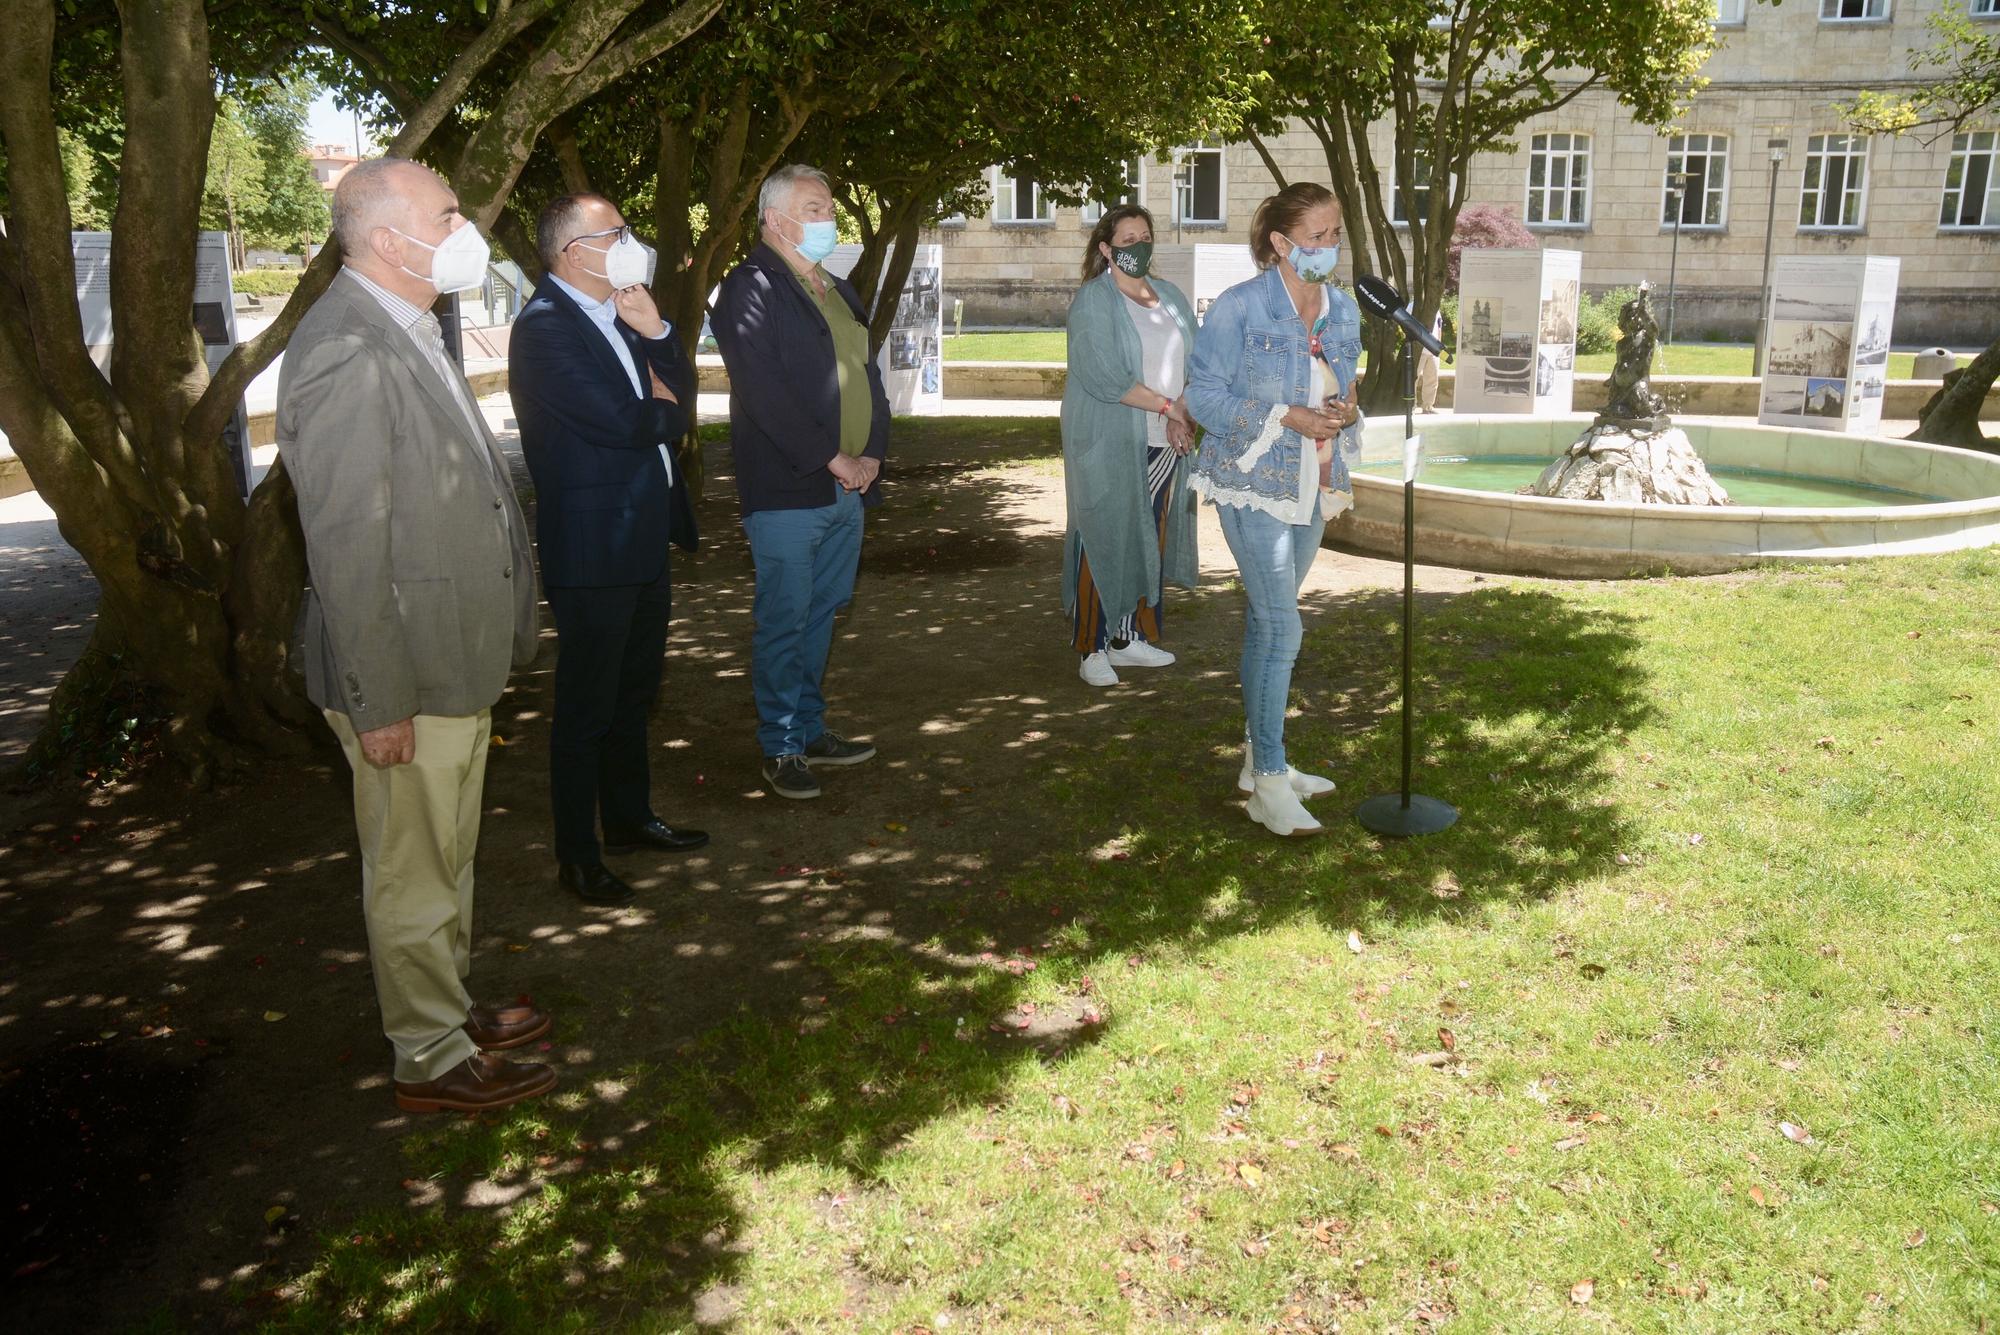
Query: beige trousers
pixel 419 829
pixel 1427 382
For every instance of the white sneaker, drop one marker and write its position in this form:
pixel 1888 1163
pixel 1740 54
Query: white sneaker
pixel 1276 807
pixel 1137 653
pixel 1305 785
pixel 1097 671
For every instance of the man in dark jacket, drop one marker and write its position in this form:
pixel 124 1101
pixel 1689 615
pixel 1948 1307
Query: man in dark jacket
pixel 809 426
pixel 603 392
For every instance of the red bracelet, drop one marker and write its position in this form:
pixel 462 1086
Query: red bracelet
pixel 1163 407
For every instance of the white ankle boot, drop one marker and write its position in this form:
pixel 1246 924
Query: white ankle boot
pixel 1305 785
pixel 1276 807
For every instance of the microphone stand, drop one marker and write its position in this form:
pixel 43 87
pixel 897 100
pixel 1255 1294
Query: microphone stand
pixel 1401 815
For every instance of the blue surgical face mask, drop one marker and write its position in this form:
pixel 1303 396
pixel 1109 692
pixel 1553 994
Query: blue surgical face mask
pixel 1316 265
pixel 819 240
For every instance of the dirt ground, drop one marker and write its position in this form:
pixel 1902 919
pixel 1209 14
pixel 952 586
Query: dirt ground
pixel 192 1074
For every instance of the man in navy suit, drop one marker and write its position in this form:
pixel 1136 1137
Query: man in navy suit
pixel 603 392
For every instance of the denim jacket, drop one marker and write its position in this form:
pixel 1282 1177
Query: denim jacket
pixel 1252 359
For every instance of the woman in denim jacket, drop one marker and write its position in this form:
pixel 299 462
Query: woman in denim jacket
pixel 1272 381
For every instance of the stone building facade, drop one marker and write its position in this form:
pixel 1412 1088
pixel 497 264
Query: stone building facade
pixel 1590 179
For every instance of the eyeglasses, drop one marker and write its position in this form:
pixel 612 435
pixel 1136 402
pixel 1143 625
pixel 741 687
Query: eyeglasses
pixel 620 233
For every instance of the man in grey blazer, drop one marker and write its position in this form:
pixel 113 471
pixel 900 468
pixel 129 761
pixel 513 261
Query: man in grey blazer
pixel 422 596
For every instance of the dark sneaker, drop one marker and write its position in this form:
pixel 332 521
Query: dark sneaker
pixel 789 777
pixel 833 749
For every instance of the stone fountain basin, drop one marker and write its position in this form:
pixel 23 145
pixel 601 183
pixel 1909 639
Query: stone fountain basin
pixel 1538 535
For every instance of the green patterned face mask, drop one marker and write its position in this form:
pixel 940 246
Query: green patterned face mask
pixel 1134 260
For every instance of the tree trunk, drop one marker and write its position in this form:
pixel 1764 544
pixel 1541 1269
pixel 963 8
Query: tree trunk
pixel 198 590
pixel 900 242
pixel 1951 417
pixel 748 146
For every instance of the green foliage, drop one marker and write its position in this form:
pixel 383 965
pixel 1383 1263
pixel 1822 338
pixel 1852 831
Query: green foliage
pixel 266 282
pixel 89 210
pixel 235 182
pixel 260 184
pixel 1597 319
pixel 1968 57
pixel 295 207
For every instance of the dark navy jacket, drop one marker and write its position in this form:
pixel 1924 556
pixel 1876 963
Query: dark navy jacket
pixel 604 513
pixel 784 389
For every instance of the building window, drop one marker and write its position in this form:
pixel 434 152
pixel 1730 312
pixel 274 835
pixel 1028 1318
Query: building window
pixel 1728 13
pixel 1704 159
pixel 1986 9
pixel 1972 182
pixel 1559 180
pixel 1847 11
pixel 1135 188
pixel 1836 175
pixel 1020 200
pixel 1199 180
pixel 1420 191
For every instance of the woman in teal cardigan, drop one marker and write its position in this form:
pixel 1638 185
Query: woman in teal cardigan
pixel 1126 435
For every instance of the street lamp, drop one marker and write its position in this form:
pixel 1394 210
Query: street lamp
pixel 1777 148
pixel 1183 188
pixel 1677 192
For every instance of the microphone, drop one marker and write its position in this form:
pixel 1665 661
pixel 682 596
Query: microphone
pixel 1386 302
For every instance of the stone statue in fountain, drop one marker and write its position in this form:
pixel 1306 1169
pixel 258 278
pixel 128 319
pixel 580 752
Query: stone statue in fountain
pixel 1632 452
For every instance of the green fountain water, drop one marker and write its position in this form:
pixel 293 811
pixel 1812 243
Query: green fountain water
pixel 1512 472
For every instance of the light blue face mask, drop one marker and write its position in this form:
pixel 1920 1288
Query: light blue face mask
pixel 819 240
pixel 1317 265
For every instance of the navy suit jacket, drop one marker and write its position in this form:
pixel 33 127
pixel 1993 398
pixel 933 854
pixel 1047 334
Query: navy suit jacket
pixel 604 513
pixel 784 388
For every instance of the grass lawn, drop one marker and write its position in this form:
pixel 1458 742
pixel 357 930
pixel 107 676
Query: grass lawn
pixel 1049 345
pixel 1687 1026
pixel 1027 345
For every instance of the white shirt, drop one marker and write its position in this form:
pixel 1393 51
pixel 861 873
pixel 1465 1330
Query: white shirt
pixel 1162 359
pixel 604 314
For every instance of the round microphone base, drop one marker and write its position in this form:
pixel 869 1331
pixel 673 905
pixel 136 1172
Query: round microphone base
pixel 1386 814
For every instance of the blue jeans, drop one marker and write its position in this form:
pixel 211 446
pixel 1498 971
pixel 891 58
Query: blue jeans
pixel 1273 557
pixel 806 561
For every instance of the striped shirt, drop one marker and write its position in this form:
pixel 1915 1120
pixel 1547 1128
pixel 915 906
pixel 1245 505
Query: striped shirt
pixel 424 331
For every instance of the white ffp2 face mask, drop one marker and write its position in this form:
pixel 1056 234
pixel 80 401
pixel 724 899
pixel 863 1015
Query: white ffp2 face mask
pixel 457 263
pixel 627 263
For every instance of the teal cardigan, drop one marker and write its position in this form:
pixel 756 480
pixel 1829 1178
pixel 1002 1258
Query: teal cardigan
pixel 1104 457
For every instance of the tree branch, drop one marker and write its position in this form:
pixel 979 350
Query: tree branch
pixel 446 94
pixel 402 96
pixel 569 156
pixel 1270 162
pixel 615 62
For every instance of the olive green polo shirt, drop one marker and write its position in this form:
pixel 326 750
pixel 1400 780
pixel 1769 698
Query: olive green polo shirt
pixel 850 359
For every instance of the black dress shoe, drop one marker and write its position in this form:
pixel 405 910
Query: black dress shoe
pixel 594 884
pixel 655 833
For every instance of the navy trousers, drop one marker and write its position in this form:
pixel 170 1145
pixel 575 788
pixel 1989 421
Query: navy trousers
pixel 611 645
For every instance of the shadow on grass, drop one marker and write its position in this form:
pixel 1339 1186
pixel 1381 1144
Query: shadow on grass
pixel 827 978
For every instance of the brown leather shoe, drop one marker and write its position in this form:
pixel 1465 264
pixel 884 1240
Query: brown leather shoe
pixel 498 1028
pixel 480 1083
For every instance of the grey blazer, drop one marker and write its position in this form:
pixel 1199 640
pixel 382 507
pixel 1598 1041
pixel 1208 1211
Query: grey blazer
pixel 422 589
